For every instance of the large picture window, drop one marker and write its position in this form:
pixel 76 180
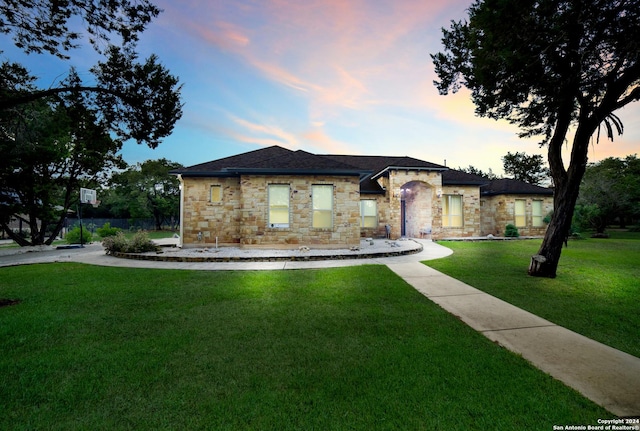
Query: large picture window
pixel 368 213
pixel 536 214
pixel 520 213
pixel 279 205
pixel 452 211
pixel 322 206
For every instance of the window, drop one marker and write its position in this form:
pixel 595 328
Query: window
pixel 452 211
pixel 368 213
pixel 520 213
pixel 322 202
pixel 279 205
pixel 215 194
pixel 536 214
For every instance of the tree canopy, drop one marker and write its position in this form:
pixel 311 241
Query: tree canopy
pixel 136 100
pixel 147 190
pixel 549 67
pixel 49 151
pixel 522 167
pixel 610 191
pixel 57 138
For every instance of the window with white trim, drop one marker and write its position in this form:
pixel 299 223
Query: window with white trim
pixel 520 213
pixel 536 214
pixel 452 210
pixel 322 202
pixel 279 205
pixel 368 213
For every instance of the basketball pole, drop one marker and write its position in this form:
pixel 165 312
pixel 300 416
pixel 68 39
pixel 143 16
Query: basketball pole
pixel 80 214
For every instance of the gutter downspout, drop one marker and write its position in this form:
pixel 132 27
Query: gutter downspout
pixel 180 243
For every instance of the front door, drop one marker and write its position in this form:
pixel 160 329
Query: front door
pixel 403 221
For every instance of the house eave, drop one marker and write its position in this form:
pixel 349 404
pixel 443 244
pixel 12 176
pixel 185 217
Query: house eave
pixel 498 193
pixel 236 172
pixel 406 168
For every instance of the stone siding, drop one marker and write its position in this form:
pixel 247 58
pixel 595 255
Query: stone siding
pixel 499 211
pixel 421 201
pixel 470 212
pixel 213 220
pixel 242 215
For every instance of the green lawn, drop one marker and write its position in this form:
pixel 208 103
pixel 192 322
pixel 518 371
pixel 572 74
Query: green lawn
pixel 346 348
pixel 596 292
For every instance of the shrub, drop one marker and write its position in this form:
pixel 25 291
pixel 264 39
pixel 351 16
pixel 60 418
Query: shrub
pixel 511 231
pixel 118 243
pixel 73 236
pixel 106 230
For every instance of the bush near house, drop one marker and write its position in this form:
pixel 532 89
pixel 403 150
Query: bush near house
pixel 139 243
pixel 511 231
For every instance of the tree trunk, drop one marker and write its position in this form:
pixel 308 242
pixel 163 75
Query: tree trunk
pixel 567 186
pixel 545 263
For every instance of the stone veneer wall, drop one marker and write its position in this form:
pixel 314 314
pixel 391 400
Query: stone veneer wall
pixel 242 215
pixel 498 211
pixel 384 216
pixel 213 219
pixel 427 183
pixel 471 212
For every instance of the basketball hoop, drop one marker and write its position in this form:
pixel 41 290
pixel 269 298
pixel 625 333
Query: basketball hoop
pixel 95 204
pixel 87 196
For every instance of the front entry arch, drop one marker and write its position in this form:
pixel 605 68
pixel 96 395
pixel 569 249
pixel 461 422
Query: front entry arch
pixel 416 208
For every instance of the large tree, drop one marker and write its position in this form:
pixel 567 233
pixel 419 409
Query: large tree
pixel 147 190
pixel 49 150
pixel 136 100
pixel 557 69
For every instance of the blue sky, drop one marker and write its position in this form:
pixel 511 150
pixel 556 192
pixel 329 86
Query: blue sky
pixel 324 76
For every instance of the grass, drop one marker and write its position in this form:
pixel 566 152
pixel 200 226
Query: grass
pixel 596 292
pixel 345 348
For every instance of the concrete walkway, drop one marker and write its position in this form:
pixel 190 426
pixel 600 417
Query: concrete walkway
pixel 607 376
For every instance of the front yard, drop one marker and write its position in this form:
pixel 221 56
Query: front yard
pixel 348 348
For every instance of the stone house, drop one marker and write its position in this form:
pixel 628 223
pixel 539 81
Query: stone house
pixel 274 197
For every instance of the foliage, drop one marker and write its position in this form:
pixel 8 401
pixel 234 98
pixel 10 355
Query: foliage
pixel 511 231
pixel 610 190
pixel 106 230
pixel 73 236
pixel 43 26
pixel 50 148
pixel 596 294
pixel 548 66
pixel 119 243
pixel 334 349
pixel 135 100
pixel 146 190
pixel 475 171
pixel 522 167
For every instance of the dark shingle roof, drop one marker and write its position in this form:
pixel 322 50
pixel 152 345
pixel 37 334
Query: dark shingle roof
pixel 453 177
pixel 507 186
pixel 275 159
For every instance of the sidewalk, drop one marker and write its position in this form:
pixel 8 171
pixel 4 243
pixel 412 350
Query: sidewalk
pixel 607 376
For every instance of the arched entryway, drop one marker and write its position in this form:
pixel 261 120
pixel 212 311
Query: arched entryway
pixel 415 208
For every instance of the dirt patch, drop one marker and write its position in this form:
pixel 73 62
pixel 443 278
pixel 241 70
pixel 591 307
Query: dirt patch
pixel 6 302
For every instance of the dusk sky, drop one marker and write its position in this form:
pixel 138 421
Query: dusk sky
pixel 324 76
